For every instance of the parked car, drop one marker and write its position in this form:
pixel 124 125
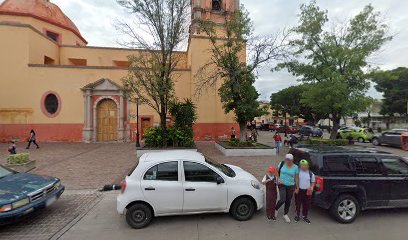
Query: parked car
pixel 23 193
pixel 350 180
pixel 287 129
pixel 274 126
pixel 264 127
pixel 310 131
pixel 184 182
pixel 392 138
pixel 359 134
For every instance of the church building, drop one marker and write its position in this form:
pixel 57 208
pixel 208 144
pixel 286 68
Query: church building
pixel 53 82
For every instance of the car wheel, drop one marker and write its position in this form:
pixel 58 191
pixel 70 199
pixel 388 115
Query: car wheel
pixel 345 209
pixel 376 142
pixel 139 215
pixel 361 140
pixel 243 209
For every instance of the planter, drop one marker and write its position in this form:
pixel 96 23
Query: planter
pixel 141 151
pixel 26 167
pixel 260 150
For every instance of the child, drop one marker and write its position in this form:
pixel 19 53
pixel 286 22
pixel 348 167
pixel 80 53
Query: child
pixel 304 193
pixel 269 180
pixel 12 149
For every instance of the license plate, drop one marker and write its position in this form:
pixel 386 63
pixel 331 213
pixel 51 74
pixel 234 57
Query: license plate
pixel 28 211
pixel 50 201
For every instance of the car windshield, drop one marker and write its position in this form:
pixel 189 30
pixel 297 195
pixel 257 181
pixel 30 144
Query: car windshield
pixel 4 172
pixel 223 168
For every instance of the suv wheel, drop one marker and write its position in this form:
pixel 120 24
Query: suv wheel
pixel 376 142
pixel 361 140
pixel 139 215
pixel 345 209
pixel 243 209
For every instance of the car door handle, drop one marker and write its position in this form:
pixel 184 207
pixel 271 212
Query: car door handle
pixel 190 189
pixel 150 189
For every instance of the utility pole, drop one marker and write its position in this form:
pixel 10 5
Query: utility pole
pixel 137 124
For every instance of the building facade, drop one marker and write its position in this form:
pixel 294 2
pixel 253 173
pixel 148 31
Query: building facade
pixel 52 82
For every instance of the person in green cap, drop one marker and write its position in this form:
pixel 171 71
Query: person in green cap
pixel 303 194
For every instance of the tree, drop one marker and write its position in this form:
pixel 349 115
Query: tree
pixel 227 64
pixel 394 86
pixel 290 101
pixel 333 61
pixel 161 28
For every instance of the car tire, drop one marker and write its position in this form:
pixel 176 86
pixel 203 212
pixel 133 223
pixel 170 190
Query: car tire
pixel 242 209
pixel 345 209
pixel 361 140
pixel 376 142
pixel 139 215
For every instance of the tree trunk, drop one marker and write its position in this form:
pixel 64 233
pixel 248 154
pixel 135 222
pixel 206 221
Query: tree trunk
pixel 163 125
pixel 242 131
pixel 336 126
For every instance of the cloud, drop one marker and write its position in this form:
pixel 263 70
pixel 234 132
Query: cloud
pixel 95 19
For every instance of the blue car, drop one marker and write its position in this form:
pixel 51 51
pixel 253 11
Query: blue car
pixel 24 193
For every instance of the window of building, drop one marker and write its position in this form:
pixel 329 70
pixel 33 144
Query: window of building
pixel 163 172
pixel 48 60
pixel 54 36
pixel 367 165
pixel 78 61
pixel 216 5
pixel 123 64
pixel 337 164
pixel 195 172
pixel 51 103
pixel 395 166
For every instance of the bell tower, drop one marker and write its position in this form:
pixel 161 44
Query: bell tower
pixel 212 10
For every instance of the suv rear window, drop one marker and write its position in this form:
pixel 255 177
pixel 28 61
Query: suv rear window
pixel 367 165
pixel 337 164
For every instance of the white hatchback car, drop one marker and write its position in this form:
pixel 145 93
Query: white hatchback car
pixel 184 182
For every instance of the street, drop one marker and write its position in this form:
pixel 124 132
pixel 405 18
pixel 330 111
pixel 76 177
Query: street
pixel 84 213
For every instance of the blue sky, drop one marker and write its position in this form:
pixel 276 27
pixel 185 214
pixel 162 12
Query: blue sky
pixel 95 19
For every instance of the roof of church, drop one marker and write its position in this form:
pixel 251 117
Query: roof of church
pixel 43 10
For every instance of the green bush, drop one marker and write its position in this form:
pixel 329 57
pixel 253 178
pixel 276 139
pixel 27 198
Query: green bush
pixel 334 142
pixel 239 143
pixel 18 159
pixel 176 137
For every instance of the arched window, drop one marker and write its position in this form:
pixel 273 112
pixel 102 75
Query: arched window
pixel 216 5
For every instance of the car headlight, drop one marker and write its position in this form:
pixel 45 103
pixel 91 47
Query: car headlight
pixel 58 184
pixel 255 184
pixel 20 203
pixel 5 208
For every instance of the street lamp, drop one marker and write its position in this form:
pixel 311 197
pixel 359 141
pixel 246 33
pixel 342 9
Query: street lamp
pixel 137 124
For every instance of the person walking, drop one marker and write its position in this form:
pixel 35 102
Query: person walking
pixel 254 134
pixel 288 180
pixel 32 139
pixel 12 149
pixel 303 194
pixel 233 134
pixel 270 182
pixel 278 141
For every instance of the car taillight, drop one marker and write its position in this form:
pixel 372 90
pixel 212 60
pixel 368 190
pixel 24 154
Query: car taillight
pixel 319 184
pixel 123 188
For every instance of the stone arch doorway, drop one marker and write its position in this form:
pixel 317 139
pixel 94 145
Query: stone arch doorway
pixel 107 121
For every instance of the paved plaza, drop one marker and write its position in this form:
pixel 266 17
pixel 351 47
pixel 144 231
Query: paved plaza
pixel 84 213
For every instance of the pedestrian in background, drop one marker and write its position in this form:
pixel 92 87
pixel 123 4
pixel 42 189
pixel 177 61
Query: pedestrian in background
pixel 233 134
pixel 278 141
pixel 254 134
pixel 12 149
pixel 270 181
pixel 32 139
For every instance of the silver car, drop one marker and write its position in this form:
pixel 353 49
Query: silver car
pixel 391 137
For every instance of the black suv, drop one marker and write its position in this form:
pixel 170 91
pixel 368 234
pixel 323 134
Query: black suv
pixel 350 180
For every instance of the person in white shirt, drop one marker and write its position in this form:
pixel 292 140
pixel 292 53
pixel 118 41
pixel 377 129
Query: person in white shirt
pixel 303 194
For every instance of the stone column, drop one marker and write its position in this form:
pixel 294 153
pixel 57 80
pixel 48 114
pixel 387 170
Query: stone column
pixel 121 136
pixel 87 130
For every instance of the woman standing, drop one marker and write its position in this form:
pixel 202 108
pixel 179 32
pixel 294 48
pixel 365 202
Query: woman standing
pixel 288 178
pixel 32 139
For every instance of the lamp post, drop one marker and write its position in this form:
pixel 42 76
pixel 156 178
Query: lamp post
pixel 137 124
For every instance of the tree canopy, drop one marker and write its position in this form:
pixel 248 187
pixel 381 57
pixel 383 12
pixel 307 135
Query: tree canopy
pixel 333 59
pixel 394 86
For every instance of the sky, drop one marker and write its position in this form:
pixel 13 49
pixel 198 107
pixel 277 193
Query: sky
pixel 96 18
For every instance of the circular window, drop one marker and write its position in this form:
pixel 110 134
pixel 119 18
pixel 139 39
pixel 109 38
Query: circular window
pixel 50 104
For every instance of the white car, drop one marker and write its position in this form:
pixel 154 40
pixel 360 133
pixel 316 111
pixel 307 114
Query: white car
pixel 184 182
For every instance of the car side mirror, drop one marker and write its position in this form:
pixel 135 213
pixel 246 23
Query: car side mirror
pixel 219 180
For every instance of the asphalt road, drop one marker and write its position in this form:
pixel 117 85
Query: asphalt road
pixel 103 222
